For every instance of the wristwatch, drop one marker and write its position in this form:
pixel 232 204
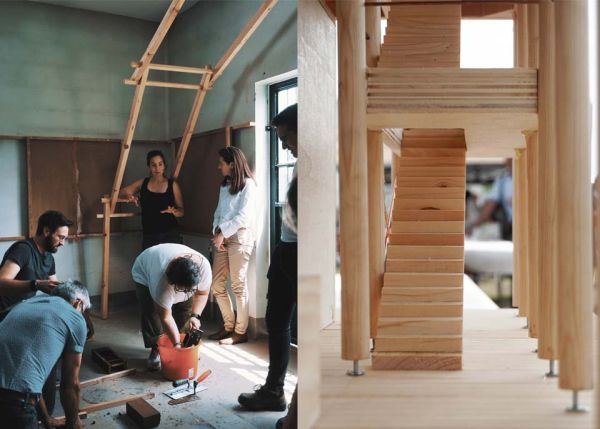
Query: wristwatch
pixel 33 285
pixel 196 315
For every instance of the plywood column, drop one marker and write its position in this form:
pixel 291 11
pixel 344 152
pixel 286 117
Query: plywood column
pixel 574 197
pixel 547 188
pixel 354 246
pixel 376 179
pixel 520 228
pixel 520 239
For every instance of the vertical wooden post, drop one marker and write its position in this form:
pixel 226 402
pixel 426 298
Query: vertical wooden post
pixel 532 236
pixel 354 256
pixel 532 182
pixel 227 136
pixel 520 277
pixel 547 209
pixel 105 257
pixel 520 225
pixel 376 180
pixel 574 198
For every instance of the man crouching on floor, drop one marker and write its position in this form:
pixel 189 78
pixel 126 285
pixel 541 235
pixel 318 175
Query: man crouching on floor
pixel 33 337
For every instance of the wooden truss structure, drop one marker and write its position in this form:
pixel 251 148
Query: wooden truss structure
pixel 139 79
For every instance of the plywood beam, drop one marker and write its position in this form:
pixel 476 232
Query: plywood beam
pixel 157 39
pixel 575 299
pixel 191 124
pixel 242 38
pixel 353 175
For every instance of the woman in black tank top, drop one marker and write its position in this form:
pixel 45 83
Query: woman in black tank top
pixel 161 202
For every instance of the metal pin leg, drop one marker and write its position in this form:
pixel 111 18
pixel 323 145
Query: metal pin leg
pixel 551 371
pixel 526 323
pixel 356 371
pixel 575 407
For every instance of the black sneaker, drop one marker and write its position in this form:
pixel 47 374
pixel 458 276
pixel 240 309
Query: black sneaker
pixel 220 335
pixel 263 399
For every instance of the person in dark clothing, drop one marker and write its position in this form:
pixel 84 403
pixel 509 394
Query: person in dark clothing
pixel 161 202
pixel 28 266
pixel 282 290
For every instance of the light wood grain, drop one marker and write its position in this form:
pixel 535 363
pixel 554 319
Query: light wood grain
pixel 354 249
pixel 417 361
pixel 574 198
pixel 547 188
pixel 423 252
pixel 423 279
pixel 422 309
pixel 424 266
pixel 399 295
pixel 431 226
pixel 416 239
pixel 533 269
pixel 420 343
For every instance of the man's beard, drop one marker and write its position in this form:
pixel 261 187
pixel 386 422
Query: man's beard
pixel 48 246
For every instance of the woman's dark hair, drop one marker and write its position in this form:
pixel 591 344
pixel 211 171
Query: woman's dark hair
pixel 51 220
pixel 183 274
pixel 154 153
pixel 240 170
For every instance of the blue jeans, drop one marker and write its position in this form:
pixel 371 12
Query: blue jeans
pixel 18 415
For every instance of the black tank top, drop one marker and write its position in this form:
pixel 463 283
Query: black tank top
pixel 153 221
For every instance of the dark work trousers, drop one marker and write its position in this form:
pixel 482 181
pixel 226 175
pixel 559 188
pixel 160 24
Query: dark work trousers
pixel 151 325
pixel 49 389
pixel 281 300
pixel 149 240
pixel 17 415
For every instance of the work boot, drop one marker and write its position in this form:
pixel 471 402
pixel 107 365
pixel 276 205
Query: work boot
pixel 263 399
pixel 223 333
pixel 234 339
pixel 153 362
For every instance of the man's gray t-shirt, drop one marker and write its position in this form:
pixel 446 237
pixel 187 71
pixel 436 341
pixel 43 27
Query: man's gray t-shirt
pixel 33 337
pixel 149 270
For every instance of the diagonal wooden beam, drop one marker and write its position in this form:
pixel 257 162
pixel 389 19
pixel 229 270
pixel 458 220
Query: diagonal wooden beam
pixel 242 38
pixel 191 124
pixel 157 39
pixel 127 138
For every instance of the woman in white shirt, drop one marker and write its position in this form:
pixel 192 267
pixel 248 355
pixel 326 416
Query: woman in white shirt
pixel 233 240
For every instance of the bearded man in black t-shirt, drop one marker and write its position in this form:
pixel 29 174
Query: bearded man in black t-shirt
pixel 28 265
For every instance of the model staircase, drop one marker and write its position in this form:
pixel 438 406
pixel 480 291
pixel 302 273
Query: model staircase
pixel 420 315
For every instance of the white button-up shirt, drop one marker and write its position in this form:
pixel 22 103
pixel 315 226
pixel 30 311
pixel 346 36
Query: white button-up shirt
pixel 235 211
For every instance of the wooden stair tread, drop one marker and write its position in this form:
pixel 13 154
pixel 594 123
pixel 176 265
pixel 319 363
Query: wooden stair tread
pixel 424 181
pixel 399 251
pixel 428 215
pixel 448 226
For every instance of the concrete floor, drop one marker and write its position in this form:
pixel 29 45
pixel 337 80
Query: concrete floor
pixel 235 369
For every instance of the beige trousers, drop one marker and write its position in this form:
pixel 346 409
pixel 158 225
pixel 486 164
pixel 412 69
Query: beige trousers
pixel 233 263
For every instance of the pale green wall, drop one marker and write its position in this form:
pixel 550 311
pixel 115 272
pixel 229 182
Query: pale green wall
pixel 61 72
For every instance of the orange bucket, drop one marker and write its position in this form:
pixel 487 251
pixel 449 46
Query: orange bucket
pixel 177 363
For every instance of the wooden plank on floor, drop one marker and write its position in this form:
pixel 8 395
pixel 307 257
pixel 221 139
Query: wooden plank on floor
pixel 423 279
pixel 422 309
pixel 424 266
pixel 443 239
pixel 429 215
pixel 419 343
pixel 403 295
pixel 417 361
pixel 419 326
pixel 425 252
pixel 428 226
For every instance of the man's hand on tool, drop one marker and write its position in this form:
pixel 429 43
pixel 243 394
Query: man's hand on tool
pixel 194 323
